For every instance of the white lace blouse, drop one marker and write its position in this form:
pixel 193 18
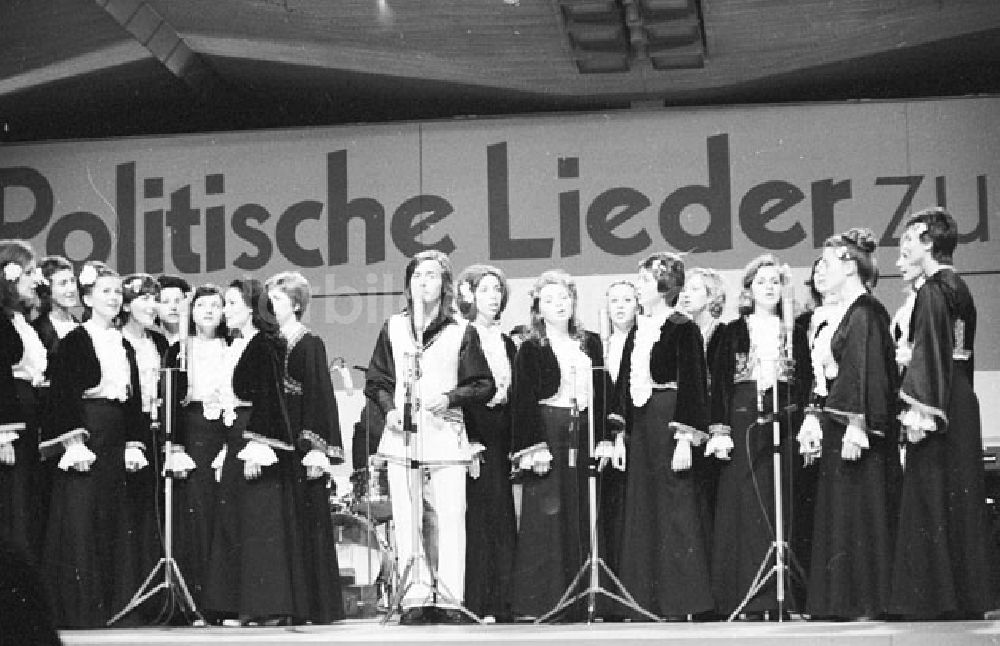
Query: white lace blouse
pixel 495 350
pixel 574 374
pixel 31 367
pixel 115 370
pixel 148 360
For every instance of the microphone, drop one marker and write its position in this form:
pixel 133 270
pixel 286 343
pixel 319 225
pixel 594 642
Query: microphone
pixel 604 325
pixel 418 323
pixel 761 415
pixel 787 310
pixel 574 424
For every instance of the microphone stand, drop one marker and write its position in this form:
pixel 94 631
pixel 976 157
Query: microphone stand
pixel 413 441
pixel 779 548
pixel 178 595
pixel 593 565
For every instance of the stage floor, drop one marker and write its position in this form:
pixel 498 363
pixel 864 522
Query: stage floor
pixel 369 631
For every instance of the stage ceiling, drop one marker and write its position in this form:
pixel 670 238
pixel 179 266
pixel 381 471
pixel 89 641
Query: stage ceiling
pixel 99 68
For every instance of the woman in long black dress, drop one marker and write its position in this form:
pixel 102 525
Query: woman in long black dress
pixel 703 299
pixel 199 436
pixel 23 365
pixel 622 302
pixel 138 321
pixel 942 560
pixel 664 560
pixel 748 365
pixel 489 515
pixel 815 319
pixel 58 296
pixel 852 533
pixel 256 570
pixel 315 424
pixel 95 431
pixel 556 370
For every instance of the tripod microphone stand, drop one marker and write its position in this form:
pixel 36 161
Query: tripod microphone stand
pixel 779 548
pixel 593 565
pixel 418 564
pixel 178 595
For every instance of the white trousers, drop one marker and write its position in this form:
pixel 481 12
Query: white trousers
pixel 444 494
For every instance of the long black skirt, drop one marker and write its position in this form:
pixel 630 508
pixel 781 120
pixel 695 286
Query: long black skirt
pixel 20 500
pixel 490 524
pixel 325 595
pixel 942 563
pixel 144 501
pixel 744 513
pixel 195 497
pixel 326 600
pixel 851 562
pixel 256 565
pixel 611 516
pixel 664 560
pixel 89 555
pixel 553 536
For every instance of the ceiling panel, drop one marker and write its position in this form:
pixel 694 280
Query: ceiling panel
pixel 67 68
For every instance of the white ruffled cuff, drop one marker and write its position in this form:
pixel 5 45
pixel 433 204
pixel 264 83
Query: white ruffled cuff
pixel 74 453
pixel 856 435
pixel 720 445
pixel 538 454
pixel 135 454
pixel 810 437
pixel 316 458
pixel 684 432
pixel 181 461
pixel 720 429
pixel 476 448
pixel 918 420
pixel 6 437
pixel 604 449
pixel 258 453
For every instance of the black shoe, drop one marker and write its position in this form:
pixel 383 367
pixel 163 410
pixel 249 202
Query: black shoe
pixel 454 616
pixel 415 616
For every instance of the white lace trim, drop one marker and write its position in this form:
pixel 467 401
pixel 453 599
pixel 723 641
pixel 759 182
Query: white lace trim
pixel 495 351
pixel 647 333
pixel 574 374
pixel 115 371
pixel 765 349
pixel 820 337
pixel 148 360
pixel 34 360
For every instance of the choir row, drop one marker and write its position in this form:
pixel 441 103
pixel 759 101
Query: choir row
pixel 683 409
pixel 679 403
pixel 255 433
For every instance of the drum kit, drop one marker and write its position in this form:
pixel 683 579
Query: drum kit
pixel 361 523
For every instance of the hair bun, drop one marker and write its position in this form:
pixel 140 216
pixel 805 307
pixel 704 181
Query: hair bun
pixel 863 239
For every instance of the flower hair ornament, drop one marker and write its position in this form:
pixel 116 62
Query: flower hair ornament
pixel 88 275
pixel 465 291
pixel 12 271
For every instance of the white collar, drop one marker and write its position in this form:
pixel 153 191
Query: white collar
pixel 290 329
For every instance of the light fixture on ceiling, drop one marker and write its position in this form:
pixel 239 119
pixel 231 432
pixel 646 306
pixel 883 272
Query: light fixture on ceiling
pixel 615 35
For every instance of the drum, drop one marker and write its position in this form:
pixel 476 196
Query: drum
pixel 361 551
pixel 371 493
